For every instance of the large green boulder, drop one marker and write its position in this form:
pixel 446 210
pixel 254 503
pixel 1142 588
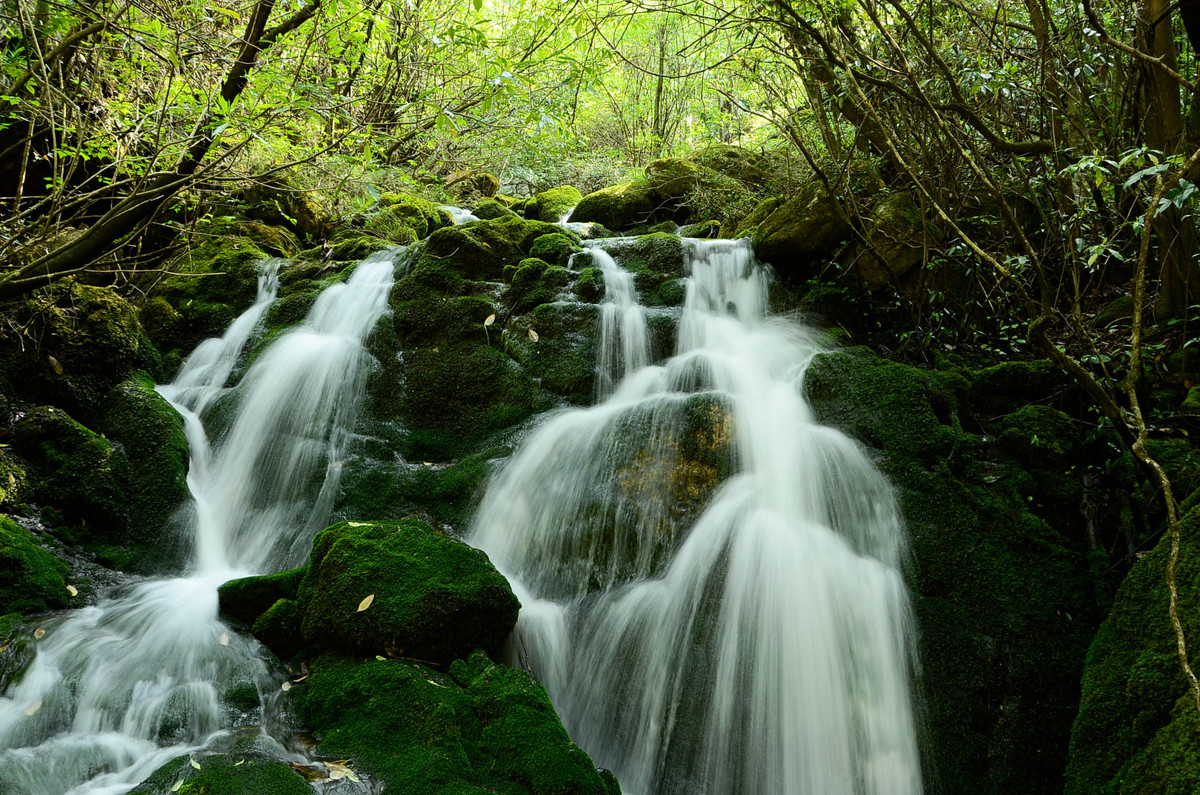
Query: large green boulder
pixel 475 252
pixel 896 240
pixel 801 233
pixel 480 727
pixel 1138 722
pixel 152 436
pixel 224 774
pixel 32 580
pixel 534 282
pixel 420 215
pixel 1004 600
pixel 617 207
pixel 563 358
pixel 69 344
pixel 432 597
pixel 247 598
pixel 80 473
pixel 551 205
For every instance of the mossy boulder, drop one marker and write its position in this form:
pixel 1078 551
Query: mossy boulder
pixel 77 471
pixel 551 205
pixel 489 209
pixel 247 598
pixel 555 248
pixel 1191 403
pixel 896 240
pixel 32 580
pixel 151 434
pixel 534 282
pixel 735 227
pixel 224 774
pixel 656 260
pixel 75 343
pixel 563 358
pixel 617 207
pixel 801 233
pixel 481 727
pixel 434 597
pixel 421 215
pixel 741 164
pixel 685 190
pixel 275 202
pixel 1005 601
pixel 1137 724
pixel 475 252
pixel 456 395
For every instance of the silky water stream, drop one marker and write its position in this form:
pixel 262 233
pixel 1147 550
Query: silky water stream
pixel 711 582
pixel 118 688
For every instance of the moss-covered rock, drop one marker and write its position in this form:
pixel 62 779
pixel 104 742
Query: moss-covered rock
pixel 1137 727
pixel 77 471
pixel 655 260
pixel 456 395
pixel 247 598
pixel 534 282
pixel 421 215
pixel 746 226
pixel 224 774
pixel 551 205
pixel 12 481
pixel 896 240
pixel 435 598
pixel 477 251
pixel 489 209
pixel 800 233
pixel 563 358
pixel 702 230
pixel 555 248
pixel 1004 601
pixel 275 202
pixel 75 343
pixel 32 580
pixel 589 286
pixel 152 436
pixel 741 164
pixel 617 207
pixel 480 728
pixel 1191 403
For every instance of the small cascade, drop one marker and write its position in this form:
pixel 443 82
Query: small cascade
pixel 459 215
pixel 119 688
pixel 711 582
pixel 624 343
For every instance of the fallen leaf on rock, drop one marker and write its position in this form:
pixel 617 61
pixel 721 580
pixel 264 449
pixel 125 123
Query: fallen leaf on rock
pixel 71 589
pixel 33 710
pixel 286 686
pixel 358 524
pixel 365 603
pixel 58 370
pixel 224 638
pixel 178 784
pixel 195 764
pixel 490 320
pixel 39 633
pixel 533 335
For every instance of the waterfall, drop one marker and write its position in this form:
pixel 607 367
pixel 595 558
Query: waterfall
pixel 117 689
pixel 711 582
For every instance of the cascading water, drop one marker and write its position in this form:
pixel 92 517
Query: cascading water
pixel 119 688
pixel 758 642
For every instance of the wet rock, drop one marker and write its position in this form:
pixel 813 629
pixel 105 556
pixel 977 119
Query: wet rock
pixel 801 233
pixel 32 580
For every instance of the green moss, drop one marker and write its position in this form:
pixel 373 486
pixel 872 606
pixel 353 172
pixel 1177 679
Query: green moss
pixel 12 481
pixel 617 207
pixel 351 245
pixel 490 208
pixel 801 233
pixel 31 579
pixel 1191 403
pixel 551 205
pixel 564 357
pixel 555 248
pixel 894 242
pixel 534 282
pixel 738 227
pixel 279 628
pixel 1137 725
pixel 76 343
pixel 435 598
pixel 247 598
pixel 224 774
pixel 77 471
pixel 391 227
pixel 483 727
pixel 151 432
pixel 421 215
pixel 702 230
pixel 589 286
pixel 456 395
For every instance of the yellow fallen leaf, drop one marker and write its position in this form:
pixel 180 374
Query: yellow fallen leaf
pixel 195 764
pixel 533 335
pixel 365 603
pixel 379 657
pixel 33 710
pixel 39 633
pixel 178 784
pixel 490 320
pixel 224 638
pixel 286 686
pixel 58 369
pixel 359 524
pixel 71 589
pixel 239 762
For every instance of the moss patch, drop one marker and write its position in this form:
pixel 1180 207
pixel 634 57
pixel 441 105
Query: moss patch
pixel 224 774
pixel 801 233
pixel 32 580
pixel 482 727
pixel 617 207
pixel 551 205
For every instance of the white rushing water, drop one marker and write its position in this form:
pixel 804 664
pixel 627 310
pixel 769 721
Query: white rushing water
pixel 119 688
pixel 759 643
